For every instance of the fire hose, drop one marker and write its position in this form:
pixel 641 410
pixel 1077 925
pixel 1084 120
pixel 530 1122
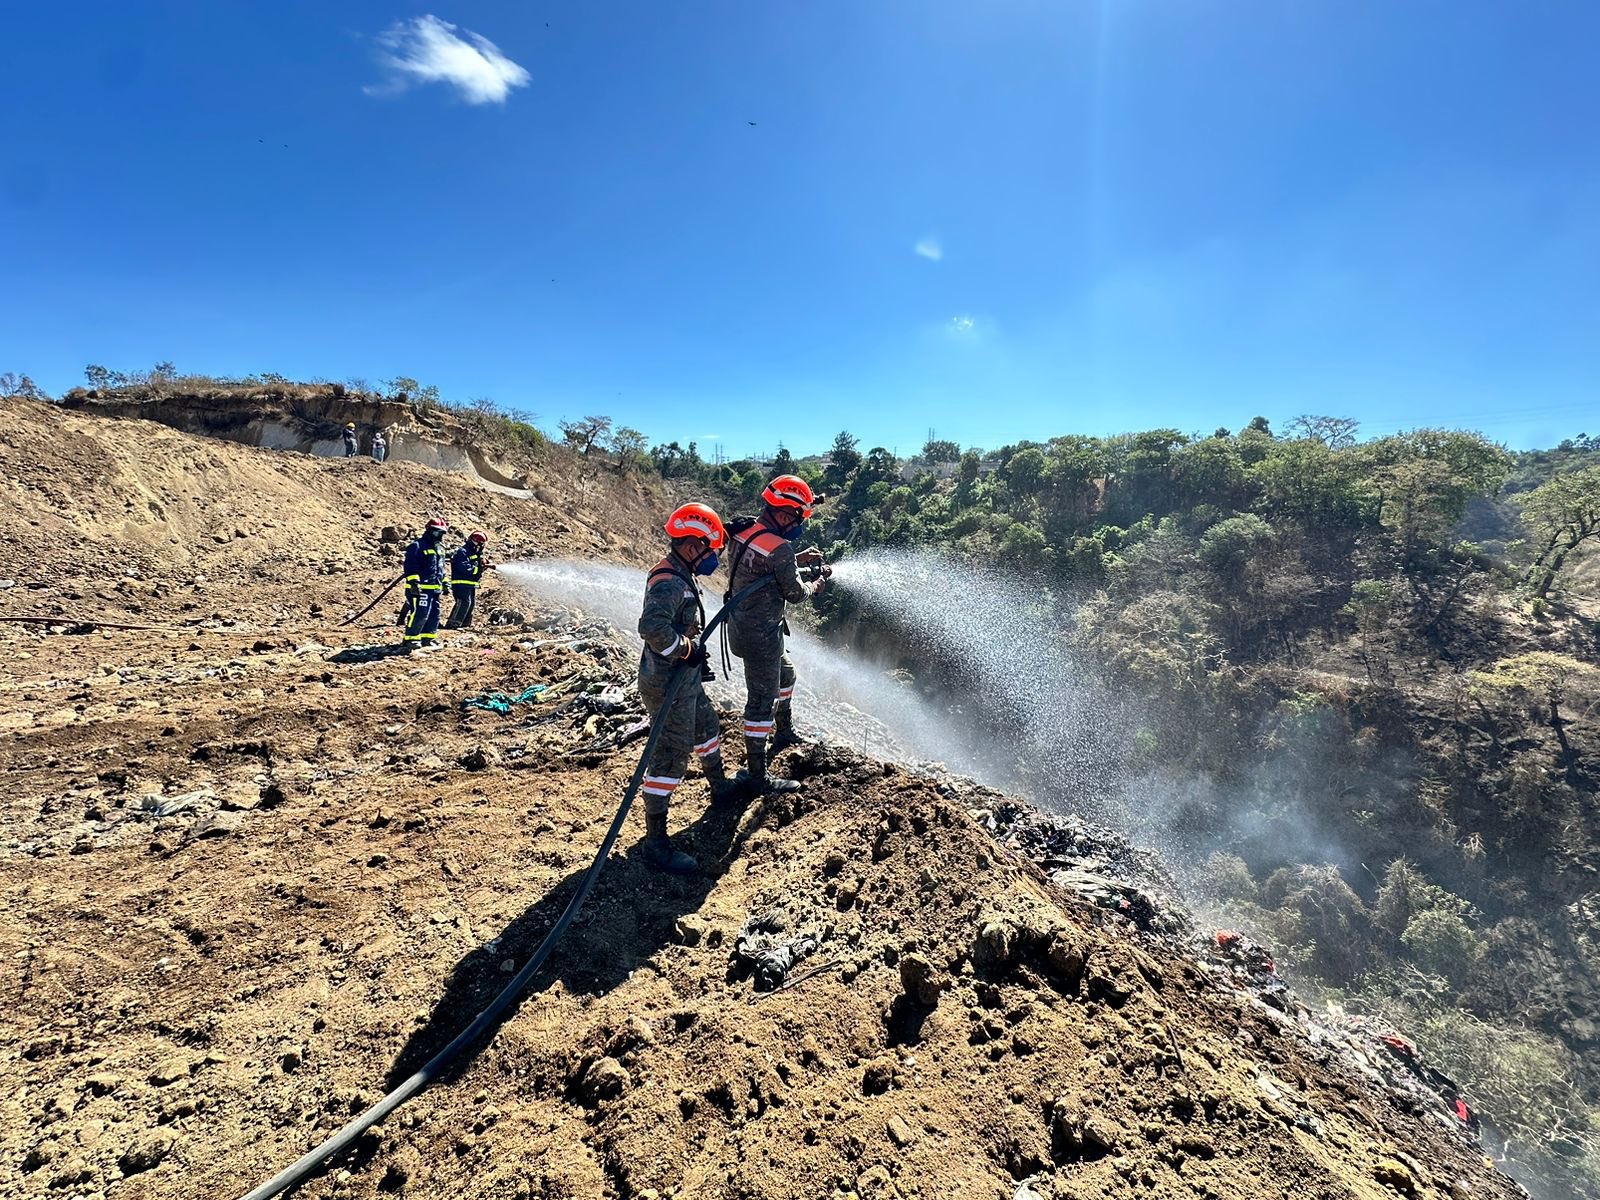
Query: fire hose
pixel 342 1140
pixel 373 605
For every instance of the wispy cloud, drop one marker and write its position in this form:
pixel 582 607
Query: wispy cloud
pixel 962 324
pixel 930 249
pixel 428 50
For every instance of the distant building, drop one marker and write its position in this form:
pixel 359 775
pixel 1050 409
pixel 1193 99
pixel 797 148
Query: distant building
pixel 912 468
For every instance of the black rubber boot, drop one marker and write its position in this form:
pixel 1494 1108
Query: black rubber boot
pixel 754 780
pixel 658 851
pixel 723 790
pixel 783 734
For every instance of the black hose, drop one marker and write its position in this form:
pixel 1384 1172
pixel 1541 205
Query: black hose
pixel 346 1137
pixel 373 605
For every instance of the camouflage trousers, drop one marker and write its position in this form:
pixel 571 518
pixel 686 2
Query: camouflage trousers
pixel 689 727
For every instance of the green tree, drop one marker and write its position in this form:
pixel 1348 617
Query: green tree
pixel 1422 481
pixel 1228 547
pixel 99 377
pixel 1560 516
pixel 1141 473
pixel 628 445
pixel 1023 547
pixel 843 458
pixel 1307 482
pixel 668 460
pixel 967 479
pixel 19 387
pixel 1074 474
pixel 1532 687
pixel 1209 472
pixel 1371 604
pixel 1336 433
pixel 1024 471
pixel 584 434
pixel 938 450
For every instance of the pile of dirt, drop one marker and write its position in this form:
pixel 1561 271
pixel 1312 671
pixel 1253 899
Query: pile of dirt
pixel 254 876
pixel 310 418
pixel 132 517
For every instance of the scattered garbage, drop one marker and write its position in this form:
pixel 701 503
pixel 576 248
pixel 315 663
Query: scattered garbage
pixel 501 703
pixel 157 806
pixel 1094 862
pixel 762 950
pixel 1398 1063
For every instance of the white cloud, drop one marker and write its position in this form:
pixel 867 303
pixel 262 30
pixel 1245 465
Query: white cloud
pixel 962 324
pixel 930 249
pixel 428 50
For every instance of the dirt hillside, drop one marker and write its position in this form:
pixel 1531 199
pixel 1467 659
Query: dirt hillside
pixel 254 873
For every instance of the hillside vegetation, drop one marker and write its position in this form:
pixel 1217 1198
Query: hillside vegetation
pixel 1377 736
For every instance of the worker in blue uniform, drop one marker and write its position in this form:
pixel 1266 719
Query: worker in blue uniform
pixel 466 572
pixel 424 576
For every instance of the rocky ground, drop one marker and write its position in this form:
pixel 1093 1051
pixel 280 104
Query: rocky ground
pixel 255 868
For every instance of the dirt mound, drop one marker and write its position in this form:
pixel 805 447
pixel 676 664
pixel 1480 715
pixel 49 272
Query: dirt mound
pixel 254 876
pixel 136 517
pixel 310 418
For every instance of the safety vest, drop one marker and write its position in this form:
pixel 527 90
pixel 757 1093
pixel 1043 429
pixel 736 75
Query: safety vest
pixel 466 568
pixel 424 568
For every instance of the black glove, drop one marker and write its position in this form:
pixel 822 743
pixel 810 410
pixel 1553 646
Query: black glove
pixel 695 658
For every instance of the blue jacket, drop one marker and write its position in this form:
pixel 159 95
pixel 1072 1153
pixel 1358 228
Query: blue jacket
pixel 425 566
pixel 466 565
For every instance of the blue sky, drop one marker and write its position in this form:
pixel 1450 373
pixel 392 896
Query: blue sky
pixel 999 220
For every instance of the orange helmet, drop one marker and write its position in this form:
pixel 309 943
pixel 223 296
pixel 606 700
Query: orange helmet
pixel 696 520
pixel 789 491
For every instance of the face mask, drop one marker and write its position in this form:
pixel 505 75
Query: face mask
pixel 793 532
pixel 706 564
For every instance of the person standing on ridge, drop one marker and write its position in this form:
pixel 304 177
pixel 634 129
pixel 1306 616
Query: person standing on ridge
pixel 424 576
pixel 672 619
pixel 764 547
pixel 350 446
pixel 380 447
pixel 466 570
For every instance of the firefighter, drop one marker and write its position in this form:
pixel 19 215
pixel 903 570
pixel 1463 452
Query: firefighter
pixel 672 619
pixel 424 569
pixel 466 571
pixel 764 547
pixel 350 439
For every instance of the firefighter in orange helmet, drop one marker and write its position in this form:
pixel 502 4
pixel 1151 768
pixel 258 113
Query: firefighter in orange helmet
pixel 670 625
pixel 765 547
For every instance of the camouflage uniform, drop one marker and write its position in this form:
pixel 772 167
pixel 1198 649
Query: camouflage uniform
pixel 755 633
pixel 673 614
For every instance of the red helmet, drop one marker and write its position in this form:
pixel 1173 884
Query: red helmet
pixel 789 491
pixel 439 523
pixel 696 520
pixel 479 537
